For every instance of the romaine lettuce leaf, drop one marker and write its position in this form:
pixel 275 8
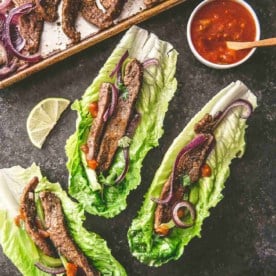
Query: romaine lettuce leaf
pixel 159 86
pixel 154 250
pixel 17 244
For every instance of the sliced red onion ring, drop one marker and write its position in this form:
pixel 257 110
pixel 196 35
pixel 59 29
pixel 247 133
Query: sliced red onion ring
pixel 50 270
pixel 4 4
pixel 150 61
pixel 4 55
pixel 119 64
pixel 129 133
pixel 114 99
pixel 12 19
pixel 17 40
pixel 121 177
pixel 133 125
pixel 196 142
pixel 178 222
pixel 6 70
pixel 247 110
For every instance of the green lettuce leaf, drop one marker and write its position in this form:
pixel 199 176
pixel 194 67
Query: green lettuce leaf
pixel 159 86
pixel 17 244
pixel 154 250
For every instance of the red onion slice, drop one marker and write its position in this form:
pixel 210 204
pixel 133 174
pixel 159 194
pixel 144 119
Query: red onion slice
pixel 178 222
pixel 114 99
pixel 50 270
pixel 4 4
pixel 12 19
pixel 247 110
pixel 196 142
pixel 6 70
pixel 150 61
pixel 119 64
pixel 121 177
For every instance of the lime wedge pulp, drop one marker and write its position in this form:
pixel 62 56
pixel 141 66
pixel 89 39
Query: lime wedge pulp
pixel 43 118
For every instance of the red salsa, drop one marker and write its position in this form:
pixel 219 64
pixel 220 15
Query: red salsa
pixel 220 21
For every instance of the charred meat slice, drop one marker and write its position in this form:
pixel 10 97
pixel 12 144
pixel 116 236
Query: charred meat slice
pixel 70 9
pixel 113 7
pixel 48 9
pixel 28 212
pixel 117 125
pixel 205 125
pixel 163 212
pixel 30 27
pixel 97 127
pixel 151 3
pixel 94 15
pixel 56 226
pixel 189 164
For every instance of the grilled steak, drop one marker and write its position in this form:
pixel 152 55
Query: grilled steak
pixel 30 27
pixel 163 212
pixel 113 7
pixel 97 127
pixel 48 9
pixel 59 235
pixel 94 15
pixel 151 3
pixel 70 9
pixel 117 124
pixel 97 17
pixel 205 125
pixel 190 164
pixel 28 212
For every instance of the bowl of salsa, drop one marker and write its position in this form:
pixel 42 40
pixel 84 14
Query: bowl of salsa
pixel 212 23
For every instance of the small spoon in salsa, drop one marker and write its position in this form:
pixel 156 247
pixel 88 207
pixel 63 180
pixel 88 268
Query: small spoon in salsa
pixel 236 45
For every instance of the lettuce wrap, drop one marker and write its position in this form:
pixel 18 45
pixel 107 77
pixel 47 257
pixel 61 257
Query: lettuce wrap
pixel 155 250
pixel 99 195
pixel 18 245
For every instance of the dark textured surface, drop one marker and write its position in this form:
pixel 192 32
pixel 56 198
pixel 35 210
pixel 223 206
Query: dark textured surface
pixel 239 237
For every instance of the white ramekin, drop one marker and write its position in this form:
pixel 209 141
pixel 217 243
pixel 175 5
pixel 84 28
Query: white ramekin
pixel 211 64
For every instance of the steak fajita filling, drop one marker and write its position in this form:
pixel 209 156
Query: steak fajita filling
pixel 115 119
pixel 44 220
pixel 173 206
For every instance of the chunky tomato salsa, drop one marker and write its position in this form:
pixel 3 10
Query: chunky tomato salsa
pixel 220 21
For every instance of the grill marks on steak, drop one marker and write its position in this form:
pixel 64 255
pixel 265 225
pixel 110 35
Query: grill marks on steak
pixel 97 17
pixel 97 127
pixel 117 124
pixel 28 212
pixel 48 9
pixel 190 163
pixel 59 235
pixel 70 9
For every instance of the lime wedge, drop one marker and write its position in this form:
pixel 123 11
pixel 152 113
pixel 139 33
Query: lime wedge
pixel 43 118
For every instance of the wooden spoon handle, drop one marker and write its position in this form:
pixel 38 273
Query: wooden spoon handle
pixel 245 45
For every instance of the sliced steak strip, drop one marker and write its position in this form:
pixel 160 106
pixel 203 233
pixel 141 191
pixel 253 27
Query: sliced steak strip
pixel 48 9
pixel 70 9
pixel 28 212
pixel 30 28
pixel 94 15
pixel 117 124
pixel 151 3
pixel 113 7
pixel 97 127
pixel 163 212
pixel 190 164
pixel 54 219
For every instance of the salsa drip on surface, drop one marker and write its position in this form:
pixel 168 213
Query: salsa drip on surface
pixel 218 22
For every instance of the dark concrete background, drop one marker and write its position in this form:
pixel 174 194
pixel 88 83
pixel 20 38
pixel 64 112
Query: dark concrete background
pixel 239 237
